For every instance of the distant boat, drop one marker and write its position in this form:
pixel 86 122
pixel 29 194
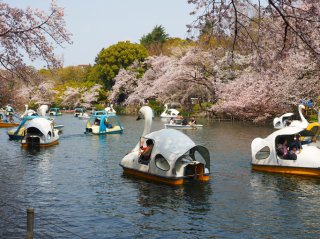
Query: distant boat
pixel 104 124
pixel 110 110
pixel 7 121
pixel 181 126
pixel 55 112
pixel 78 112
pixel 169 113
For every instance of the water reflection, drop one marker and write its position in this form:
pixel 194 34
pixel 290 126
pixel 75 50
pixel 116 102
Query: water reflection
pixel 78 184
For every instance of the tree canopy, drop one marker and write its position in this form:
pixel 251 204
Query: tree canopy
pixel 121 55
pixel 30 34
pixel 154 40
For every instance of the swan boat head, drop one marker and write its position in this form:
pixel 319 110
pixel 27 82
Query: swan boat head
pixel 174 157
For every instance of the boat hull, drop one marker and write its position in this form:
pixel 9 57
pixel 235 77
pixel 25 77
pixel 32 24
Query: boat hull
pixel 26 145
pixel 177 126
pixel 312 172
pixel 156 178
pixel 8 124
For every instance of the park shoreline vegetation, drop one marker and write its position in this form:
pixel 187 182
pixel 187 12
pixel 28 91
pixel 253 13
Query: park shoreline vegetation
pixel 238 64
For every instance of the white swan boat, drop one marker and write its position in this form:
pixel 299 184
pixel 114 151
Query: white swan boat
pixel 110 110
pixel 266 157
pixel 174 158
pixel 285 120
pixel 42 110
pixel 39 132
pixel 169 113
pixel 28 112
pixel 78 112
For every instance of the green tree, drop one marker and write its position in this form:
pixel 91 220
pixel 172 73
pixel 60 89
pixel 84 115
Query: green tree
pixel 121 55
pixel 154 40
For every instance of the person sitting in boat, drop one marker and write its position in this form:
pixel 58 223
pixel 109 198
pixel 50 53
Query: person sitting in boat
pixel 145 155
pixel 192 121
pixel 11 120
pixel 108 125
pixel 184 122
pixel 296 143
pixel 97 121
pixel 171 121
pixel 178 119
pixel 283 148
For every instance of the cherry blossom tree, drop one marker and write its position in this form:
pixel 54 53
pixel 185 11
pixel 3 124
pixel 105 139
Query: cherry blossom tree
pixel 30 33
pixel 168 79
pixel 248 23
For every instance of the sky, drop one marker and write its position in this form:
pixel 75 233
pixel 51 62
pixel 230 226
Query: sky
pixel 97 24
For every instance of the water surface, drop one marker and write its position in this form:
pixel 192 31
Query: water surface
pixel 78 190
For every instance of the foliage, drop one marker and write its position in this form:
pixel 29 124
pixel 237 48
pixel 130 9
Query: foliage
pixel 30 33
pixel 121 55
pixel 157 107
pixel 250 24
pixel 168 79
pixel 154 40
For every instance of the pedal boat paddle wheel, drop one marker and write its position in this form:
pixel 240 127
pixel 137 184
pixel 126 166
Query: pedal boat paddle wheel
pixel 266 156
pixel 174 158
pixel 40 132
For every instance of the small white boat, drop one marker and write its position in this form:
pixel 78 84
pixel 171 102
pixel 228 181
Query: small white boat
pixel 83 116
pixel 78 112
pixel 169 113
pixel 173 159
pixel 40 132
pixel 181 126
pixel 267 156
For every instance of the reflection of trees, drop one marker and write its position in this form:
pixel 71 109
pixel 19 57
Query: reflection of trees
pixel 289 201
pixel 194 195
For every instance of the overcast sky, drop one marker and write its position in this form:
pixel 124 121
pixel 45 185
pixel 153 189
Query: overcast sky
pixel 97 24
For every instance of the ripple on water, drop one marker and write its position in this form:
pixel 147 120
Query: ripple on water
pixel 78 188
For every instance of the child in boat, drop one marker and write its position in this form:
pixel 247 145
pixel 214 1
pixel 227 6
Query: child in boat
pixel 146 154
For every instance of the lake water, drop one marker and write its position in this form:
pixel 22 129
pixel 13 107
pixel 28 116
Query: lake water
pixel 78 190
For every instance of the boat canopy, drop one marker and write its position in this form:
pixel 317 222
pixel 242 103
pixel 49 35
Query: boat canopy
pixel 100 112
pixel 105 121
pixel 42 124
pixel 172 144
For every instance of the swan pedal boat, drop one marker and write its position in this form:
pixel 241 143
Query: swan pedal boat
pixel 39 132
pixel 169 113
pixel 78 112
pixel 8 124
pixel 110 110
pixel 104 124
pixel 266 158
pixel 174 158
pixel 18 133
